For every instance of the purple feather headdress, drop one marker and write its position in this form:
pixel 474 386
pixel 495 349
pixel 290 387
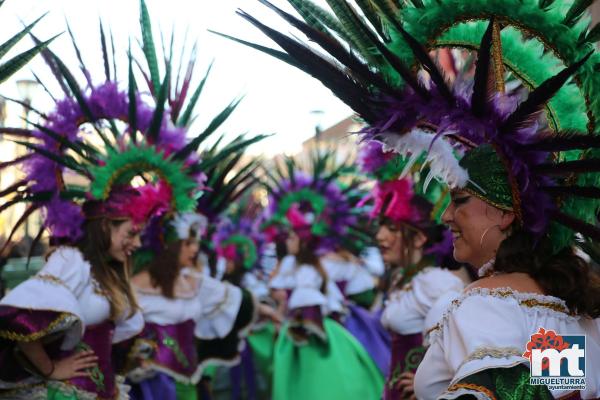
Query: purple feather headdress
pixel 502 131
pixel 85 154
pixel 105 102
pixel 314 208
pixel 240 241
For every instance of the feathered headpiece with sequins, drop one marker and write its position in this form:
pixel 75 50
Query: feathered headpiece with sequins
pixel 477 135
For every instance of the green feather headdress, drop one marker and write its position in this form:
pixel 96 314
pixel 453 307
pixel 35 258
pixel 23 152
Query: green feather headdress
pixel 550 166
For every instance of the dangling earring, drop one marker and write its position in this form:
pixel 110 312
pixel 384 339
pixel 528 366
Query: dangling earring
pixel 485 233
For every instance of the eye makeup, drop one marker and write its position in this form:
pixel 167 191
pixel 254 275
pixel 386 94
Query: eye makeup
pixel 459 200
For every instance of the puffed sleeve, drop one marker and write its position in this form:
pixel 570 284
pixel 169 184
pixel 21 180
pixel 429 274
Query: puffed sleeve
pixel 307 291
pixel 220 305
pixel 47 303
pixel 338 270
pixel 407 308
pixel 335 299
pixel 225 349
pixel 256 286
pixel 435 314
pixel 360 281
pixel 485 330
pixel 128 327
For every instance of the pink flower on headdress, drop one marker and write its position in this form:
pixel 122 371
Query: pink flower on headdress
pixel 296 218
pixel 152 200
pixel 271 233
pixel 228 252
pixel 395 196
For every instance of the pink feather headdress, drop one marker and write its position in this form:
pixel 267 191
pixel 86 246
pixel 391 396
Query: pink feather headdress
pixel 393 200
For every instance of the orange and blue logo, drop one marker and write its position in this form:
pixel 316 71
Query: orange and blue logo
pixel 557 361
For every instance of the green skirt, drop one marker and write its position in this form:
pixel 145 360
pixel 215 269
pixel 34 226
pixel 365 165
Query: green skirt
pixel 57 394
pixel 339 369
pixel 262 343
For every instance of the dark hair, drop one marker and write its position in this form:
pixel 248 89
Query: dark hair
pixel 408 234
pixel 235 277
pixel 564 274
pixel 164 268
pixel 307 255
pixel 280 249
pixel 111 275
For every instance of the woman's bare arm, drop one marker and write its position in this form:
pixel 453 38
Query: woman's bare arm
pixel 35 353
pixel 66 368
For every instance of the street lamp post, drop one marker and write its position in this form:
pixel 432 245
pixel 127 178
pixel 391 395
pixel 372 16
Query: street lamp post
pixel 317 115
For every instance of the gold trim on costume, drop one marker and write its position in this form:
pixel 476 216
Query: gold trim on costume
pixel 407 287
pixel 50 279
pixel 497 57
pixel 19 337
pixel 494 352
pixel 481 197
pixel 529 303
pixel 473 387
pixel 219 305
pixel 532 301
pixel 430 330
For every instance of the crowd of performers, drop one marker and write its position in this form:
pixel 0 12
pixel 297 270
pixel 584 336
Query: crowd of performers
pixel 426 268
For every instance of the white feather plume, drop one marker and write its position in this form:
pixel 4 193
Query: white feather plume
pixel 440 157
pixel 183 224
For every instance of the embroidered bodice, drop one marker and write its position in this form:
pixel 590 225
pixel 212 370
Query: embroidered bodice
pixel 489 328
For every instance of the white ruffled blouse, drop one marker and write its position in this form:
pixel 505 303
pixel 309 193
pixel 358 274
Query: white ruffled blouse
pixel 407 309
pixel 284 279
pixel 214 310
pixel 357 277
pixel 490 328
pixel 257 286
pixel 65 284
pixel 306 291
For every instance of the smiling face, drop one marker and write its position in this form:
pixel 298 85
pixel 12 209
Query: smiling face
pixel 124 239
pixel 188 252
pixel 477 227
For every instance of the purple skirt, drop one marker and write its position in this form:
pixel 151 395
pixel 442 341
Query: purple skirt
pixel 160 387
pixel 366 327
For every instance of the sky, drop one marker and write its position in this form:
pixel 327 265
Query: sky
pixel 278 98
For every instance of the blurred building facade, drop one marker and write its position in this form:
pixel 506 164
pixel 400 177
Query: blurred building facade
pixel 338 137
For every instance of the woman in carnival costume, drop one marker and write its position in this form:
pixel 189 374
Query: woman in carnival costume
pixel 181 304
pixel 414 246
pixel 240 242
pixel 312 350
pixel 525 186
pixel 60 325
pixel 192 320
pixel 345 268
